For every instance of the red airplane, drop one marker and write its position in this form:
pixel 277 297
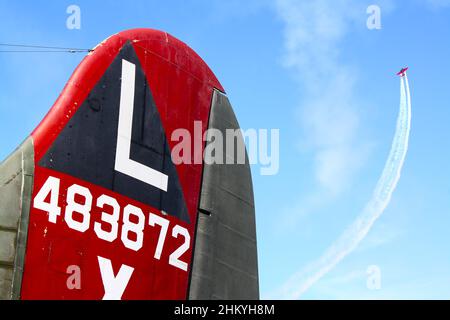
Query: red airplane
pixel 402 72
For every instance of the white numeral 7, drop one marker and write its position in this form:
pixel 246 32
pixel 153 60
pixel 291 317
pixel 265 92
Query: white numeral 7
pixel 164 224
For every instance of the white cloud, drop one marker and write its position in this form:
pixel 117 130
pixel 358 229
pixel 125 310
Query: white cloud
pixel 328 114
pixel 313 35
pixel 381 235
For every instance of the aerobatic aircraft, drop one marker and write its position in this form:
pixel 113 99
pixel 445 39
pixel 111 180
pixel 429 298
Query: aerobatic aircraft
pixel 402 72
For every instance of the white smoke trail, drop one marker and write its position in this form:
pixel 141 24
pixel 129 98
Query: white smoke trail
pixel 358 230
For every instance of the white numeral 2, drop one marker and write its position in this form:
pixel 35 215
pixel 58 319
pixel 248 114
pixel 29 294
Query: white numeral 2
pixel 174 258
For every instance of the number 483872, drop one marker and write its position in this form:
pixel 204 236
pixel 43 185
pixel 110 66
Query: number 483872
pixel 51 190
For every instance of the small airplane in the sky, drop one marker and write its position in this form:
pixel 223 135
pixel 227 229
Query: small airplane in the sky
pixel 402 72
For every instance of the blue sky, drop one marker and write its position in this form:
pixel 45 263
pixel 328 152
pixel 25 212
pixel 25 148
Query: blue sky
pixel 316 72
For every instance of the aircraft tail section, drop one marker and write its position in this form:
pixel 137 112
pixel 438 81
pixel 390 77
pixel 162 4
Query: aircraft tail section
pixel 96 187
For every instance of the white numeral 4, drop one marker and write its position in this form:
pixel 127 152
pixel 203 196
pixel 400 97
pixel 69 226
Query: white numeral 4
pixel 51 186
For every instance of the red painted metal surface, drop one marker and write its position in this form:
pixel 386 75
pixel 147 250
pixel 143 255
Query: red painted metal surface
pixel 182 85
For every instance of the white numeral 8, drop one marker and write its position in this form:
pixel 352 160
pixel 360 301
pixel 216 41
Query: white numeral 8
pixel 82 209
pixel 131 227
